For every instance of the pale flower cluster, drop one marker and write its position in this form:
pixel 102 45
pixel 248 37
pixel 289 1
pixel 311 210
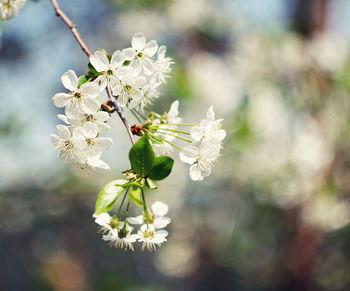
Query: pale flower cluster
pixel 150 234
pixel 78 141
pixel 10 8
pixel 133 74
pixel 205 148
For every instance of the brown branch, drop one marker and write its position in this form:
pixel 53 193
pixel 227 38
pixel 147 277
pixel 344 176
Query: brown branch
pixel 86 50
pixel 123 119
pixel 72 27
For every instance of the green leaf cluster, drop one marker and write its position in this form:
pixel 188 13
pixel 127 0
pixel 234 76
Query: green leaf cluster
pixel 144 162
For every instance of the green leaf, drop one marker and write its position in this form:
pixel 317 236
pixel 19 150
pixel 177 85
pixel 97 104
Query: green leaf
pixel 92 70
pixel 83 79
pixel 161 168
pixel 135 194
pixel 109 195
pixel 150 184
pixel 142 156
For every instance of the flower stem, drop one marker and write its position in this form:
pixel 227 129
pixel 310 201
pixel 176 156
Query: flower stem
pixel 121 204
pixel 145 207
pixel 168 129
pixel 174 145
pixel 126 213
pixel 179 137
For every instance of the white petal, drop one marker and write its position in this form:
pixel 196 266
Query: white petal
pixel 197 133
pixel 99 61
pixel 102 219
pixel 117 59
pixel 97 163
pixel 196 173
pixel 103 143
pixel 148 66
pixel 129 53
pixel 210 114
pixel 101 116
pixel 189 154
pixel 70 80
pixel 136 220
pixel 73 110
pixel 102 127
pixel 159 208
pixel 90 105
pixel 63 118
pixel 61 99
pixel 90 89
pixel 161 222
pixel 90 129
pixel 151 48
pixel 161 52
pixel 138 41
pixel 63 131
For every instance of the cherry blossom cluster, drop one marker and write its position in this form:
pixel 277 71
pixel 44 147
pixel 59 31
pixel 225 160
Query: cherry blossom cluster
pixel 150 233
pixel 129 79
pixel 134 85
pixel 10 8
pixel 78 141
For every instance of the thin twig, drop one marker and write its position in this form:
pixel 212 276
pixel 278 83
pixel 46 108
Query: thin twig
pixel 72 27
pixel 120 113
pixel 86 50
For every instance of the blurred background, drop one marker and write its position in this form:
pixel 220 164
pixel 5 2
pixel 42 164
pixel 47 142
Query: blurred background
pixel 273 215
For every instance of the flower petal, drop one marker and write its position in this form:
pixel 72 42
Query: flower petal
pixel 151 48
pixel 117 59
pixel 159 208
pixel 61 99
pixel 63 131
pixel 99 61
pixel 70 80
pixel 196 173
pixel 138 41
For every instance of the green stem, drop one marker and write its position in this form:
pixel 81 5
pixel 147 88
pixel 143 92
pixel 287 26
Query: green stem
pixel 145 209
pixel 182 124
pixel 126 213
pixel 179 137
pixel 174 145
pixel 168 129
pixel 121 204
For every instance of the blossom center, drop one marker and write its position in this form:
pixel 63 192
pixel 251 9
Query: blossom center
pixel 110 72
pixel 140 54
pixel 90 141
pixel 89 117
pixel 68 146
pixel 114 222
pixel 149 233
pixel 77 95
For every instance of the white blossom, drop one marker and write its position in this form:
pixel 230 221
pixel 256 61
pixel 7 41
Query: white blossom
pixel 150 92
pixel 129 89
pixel 110 70
pixel 201 157
pixel 121 237
pixel 87 141
pixel 150 237
pixel 99 118
pixel 209 128
pixel 78 101
pixel 140 54
pixel 162 65
pixel 10 8
pixel 156 217
pixel 66 145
